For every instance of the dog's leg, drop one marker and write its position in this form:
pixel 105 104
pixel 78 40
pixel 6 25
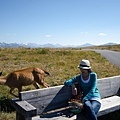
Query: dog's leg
pixel 36 85
pixel 12 92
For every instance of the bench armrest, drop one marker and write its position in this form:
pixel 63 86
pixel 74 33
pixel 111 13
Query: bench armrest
pixel 24 110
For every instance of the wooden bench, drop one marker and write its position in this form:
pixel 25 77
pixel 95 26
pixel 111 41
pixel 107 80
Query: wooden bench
pixel 52 103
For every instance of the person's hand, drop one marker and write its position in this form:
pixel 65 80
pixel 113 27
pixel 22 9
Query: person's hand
pixel 74 90
pixel 78 97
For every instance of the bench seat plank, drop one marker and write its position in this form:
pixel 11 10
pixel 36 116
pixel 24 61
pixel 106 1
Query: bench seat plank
pixel 61 115
pixel 54 118
pixel 109 104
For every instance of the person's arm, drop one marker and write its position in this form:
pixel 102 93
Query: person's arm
pixel 93 87
pixel 71 81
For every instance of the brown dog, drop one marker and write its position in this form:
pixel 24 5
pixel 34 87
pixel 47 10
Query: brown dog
pixel 24 77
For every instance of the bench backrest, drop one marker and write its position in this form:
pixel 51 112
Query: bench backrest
pixel 47 99
pixel 109 86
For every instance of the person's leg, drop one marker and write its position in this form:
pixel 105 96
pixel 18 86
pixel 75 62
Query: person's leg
pixel 91 108
pixel 96 106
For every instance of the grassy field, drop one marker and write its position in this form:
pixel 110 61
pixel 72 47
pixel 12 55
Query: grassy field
pixel 60 63
pixel 108 47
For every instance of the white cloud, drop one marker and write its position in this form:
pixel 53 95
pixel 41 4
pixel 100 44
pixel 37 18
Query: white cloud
pixel 48 36
pixel 102 34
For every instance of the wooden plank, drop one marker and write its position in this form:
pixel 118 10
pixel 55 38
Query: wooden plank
pixel 55 118
pixel 48 98
pixel 41 92
pixel 59 115
pixel 115 85
pixel 109 104
pixel 25 108
pixel 49 103
pixel 109 86
pixel 104 85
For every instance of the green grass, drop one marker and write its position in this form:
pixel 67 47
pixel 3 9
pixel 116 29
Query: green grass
pixel 60 63
pixel 7 116
pixel 108 47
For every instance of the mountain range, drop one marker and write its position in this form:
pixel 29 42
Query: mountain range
pixel 48 45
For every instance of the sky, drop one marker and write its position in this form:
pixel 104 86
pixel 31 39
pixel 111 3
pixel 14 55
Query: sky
pixel 65 22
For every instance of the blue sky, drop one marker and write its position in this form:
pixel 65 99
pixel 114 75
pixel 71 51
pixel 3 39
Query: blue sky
pixel 65 22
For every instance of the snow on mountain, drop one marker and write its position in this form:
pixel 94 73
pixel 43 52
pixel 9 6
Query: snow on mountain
pixel 48 45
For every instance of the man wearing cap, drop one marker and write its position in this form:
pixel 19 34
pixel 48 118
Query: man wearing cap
pixel 88 83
